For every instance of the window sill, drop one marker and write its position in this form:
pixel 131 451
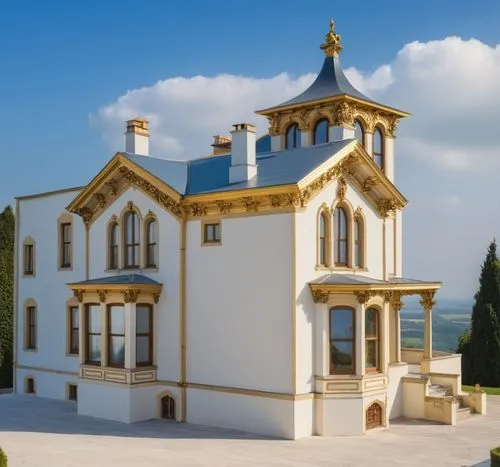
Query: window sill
pixel 150 269
pixel 73 355
pixel 28 276
pixel 127 376
pixel 65 268
pixel 211 244
pixel 319 267
pixel 29 349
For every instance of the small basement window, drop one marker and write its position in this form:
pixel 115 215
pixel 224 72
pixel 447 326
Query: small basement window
pixel 211 233
pixel 72 392
pixel 30 386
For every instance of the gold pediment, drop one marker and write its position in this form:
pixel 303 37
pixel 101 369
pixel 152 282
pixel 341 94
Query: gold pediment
pixel 114 179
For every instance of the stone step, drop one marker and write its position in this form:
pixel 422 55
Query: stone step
pixel 463 413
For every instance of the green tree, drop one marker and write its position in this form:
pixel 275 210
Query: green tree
pixel 7 227
pixel 480 347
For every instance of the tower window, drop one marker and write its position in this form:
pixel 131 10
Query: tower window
pixel 340 235
pixel 378 148
pixel 359 132
pixel 292 137
pixel 321 132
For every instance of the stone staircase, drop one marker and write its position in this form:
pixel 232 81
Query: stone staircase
pixel 436 390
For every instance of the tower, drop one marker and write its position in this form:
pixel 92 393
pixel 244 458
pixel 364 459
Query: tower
pixel 332 109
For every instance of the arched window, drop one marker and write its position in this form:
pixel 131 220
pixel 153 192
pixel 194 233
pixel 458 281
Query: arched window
pixel 359 132
pixel 378 148
pixel 342 340
pixel 340 235
pixel 113 246
pixel 132 240
pixel 323 222
pixel 372 340
pixel 168 407
pixel 151 244
pixel 292 137
pixel 358 243
pixel 321 132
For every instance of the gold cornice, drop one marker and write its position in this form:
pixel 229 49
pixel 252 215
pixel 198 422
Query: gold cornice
pixel 130 292
pixel 389 292
pixel 327 102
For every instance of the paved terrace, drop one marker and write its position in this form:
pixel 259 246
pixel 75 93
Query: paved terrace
pixel 42 432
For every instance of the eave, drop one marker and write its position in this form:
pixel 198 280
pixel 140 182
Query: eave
pixel 119 174
pixel 332 99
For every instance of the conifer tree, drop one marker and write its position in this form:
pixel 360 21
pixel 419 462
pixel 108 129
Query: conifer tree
pixel 480 348
pixel 7 226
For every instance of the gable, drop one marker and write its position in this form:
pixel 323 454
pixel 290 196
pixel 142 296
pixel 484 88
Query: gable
pixel 119 174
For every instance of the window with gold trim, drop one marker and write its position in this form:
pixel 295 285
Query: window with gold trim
pixel 73 330
pixel 113 252
pixel 144 334
pixel 29 256
pixel 321 133
pixel 116 335
pixel 378 148
pixel 65 244
pixel 211 233
pixel 292 139
pixel 372 339
pixel 358 243
pixel 132 240
pixel 359 132
pixel 323 248
pixel 341 237
pixel 93 330
pixel 31 327
pixel 151 243
pixel 342 340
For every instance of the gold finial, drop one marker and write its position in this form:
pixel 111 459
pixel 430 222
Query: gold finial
pixel 332 46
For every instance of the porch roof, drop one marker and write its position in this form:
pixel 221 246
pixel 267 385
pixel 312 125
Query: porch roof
pixel 122 279
pixel 354 283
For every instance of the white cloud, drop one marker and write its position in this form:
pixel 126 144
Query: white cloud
pixel 185 113
pixel 448 152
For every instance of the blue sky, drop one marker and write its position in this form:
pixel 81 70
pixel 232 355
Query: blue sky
pixel 63 61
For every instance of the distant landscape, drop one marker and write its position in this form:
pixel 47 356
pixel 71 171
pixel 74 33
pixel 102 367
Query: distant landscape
pixel 450 318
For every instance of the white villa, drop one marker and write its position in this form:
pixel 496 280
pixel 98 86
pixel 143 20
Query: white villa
pixel 258 288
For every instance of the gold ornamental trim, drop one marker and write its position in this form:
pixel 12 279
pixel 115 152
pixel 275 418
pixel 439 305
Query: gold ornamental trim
pixel 391 293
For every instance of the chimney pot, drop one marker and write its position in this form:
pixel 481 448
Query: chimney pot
pixel 243 153
pixel 137 136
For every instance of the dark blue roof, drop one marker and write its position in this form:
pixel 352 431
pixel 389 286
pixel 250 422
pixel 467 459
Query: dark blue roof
pixel 125 279
pixel 330 82
pixel 211 173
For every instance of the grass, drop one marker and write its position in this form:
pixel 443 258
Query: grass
pixel 490 391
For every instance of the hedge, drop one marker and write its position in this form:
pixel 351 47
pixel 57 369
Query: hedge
pixel 495 457
pixel 3 458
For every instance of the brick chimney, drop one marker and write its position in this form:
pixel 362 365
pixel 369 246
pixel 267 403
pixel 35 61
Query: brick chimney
pixel 221 145
pixel 137 136
pixel 243 153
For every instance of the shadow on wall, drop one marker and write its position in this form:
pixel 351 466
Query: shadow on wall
pixel 38 415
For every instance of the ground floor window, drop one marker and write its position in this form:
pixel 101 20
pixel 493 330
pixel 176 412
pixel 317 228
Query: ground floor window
pixel 30 386
pixel 373 416
pixel 168 407
pixel 72 392
pixel 93 331
pixel 342 340
pixel 116 335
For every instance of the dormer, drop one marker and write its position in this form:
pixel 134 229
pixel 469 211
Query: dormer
pixel 332 109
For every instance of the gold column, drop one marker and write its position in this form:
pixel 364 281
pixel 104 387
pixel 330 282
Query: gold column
pixel 427 303
pixel 397 304
pixel 360 333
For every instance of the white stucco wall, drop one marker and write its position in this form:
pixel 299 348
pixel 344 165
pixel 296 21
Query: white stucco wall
pixel 239 304
pixel 166 322
pixel 38 218
pixel 119 402
pixel 267 416
pixel 50 385
pixel 306 223
pixel 395 390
